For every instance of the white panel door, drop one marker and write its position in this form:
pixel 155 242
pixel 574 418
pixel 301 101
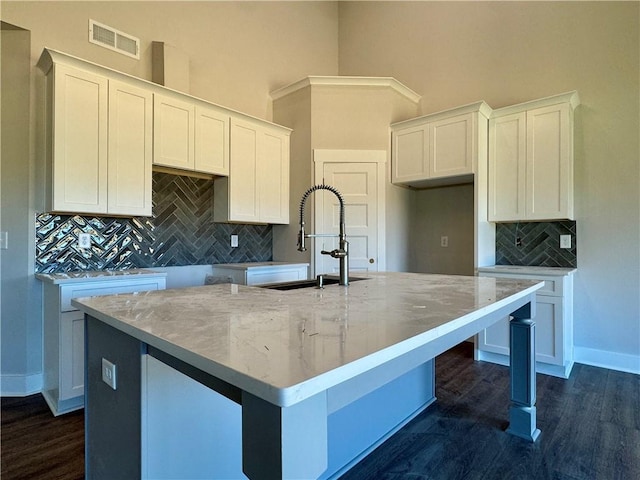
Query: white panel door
pixel 358 183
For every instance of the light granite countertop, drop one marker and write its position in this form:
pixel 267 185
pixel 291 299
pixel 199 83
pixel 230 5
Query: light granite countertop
pixel 287 346
pixel 256 265
pixel 95 275
pixel 528 270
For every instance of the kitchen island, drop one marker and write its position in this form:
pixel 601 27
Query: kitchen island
pixel 319 376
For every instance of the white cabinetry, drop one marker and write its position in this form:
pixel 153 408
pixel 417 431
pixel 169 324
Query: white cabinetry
pixel 130 155
pixel 553 319
pixel 98 141
pixel 531 160
pixel 261 272
pixel 257 189
pixel 439 149
pixel 190 136
pixel 63 386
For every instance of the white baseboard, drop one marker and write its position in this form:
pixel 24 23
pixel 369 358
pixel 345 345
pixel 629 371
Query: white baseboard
pixel 622 362
pixel 20 385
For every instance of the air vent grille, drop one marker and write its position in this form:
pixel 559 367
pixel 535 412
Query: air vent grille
pixel 113 39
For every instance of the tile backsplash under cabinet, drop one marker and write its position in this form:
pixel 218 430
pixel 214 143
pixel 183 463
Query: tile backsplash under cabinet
pixel 180 232
pixel 539 244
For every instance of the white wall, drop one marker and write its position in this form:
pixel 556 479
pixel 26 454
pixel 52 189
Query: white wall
pixel 454 53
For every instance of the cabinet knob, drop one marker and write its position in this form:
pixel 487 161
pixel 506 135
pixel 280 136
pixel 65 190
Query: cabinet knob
pixel 371 260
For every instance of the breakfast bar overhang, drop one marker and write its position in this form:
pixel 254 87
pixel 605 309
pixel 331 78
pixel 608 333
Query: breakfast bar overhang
pixel 294 361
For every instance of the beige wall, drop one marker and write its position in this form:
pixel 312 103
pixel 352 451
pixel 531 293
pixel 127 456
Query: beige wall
pixel 509 52
pixel 239 51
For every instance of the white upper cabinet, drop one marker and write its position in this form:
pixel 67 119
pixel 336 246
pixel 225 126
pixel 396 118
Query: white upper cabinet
pixel 211 140
pixel 257 189
pixel 98 141
pixel 130 150
pixel 76 140
pixel 531 160
pixel 173 132
pixel 190 135
pixel 439 149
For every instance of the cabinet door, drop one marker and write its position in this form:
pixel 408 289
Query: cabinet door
pixel 79 142
pixel 273 177
pixel 173 132
pixel 451 146
pixel 71 355
pixel 507 164
pixel 549 332
pixel 549 183
pixel 212 141
pixel 410 154
pixel 130 149
pixel 243 178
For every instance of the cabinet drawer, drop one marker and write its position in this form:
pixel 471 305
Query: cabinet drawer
pixel 553 286
pixel 67 292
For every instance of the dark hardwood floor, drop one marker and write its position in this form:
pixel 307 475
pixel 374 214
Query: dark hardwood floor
pixel 590 431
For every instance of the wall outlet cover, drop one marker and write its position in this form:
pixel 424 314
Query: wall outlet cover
pixel 565 241
pixel 234 241
pixel 109 373
pixel 84 240
pixel 444 241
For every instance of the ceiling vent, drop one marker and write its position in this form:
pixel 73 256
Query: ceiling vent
pixel 113 39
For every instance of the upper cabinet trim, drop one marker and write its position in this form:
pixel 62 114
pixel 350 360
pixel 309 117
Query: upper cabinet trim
pixel 572 98
pixel 50 57
pixel 480 106
pixel 347 81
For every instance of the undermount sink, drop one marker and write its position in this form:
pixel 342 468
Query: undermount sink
pixel 296 284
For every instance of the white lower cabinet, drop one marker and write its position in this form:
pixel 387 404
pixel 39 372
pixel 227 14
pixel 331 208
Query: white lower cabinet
pixel 261 273
pixel 553 319
pixel 63 382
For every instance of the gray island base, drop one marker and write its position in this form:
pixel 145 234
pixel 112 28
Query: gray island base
pixel 228 381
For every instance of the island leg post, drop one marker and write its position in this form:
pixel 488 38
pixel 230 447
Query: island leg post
pixel 522 413
pixel 284 442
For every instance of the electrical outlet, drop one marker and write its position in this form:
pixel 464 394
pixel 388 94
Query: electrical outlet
pixel 565 241
pixel 4 240
pixel 84 240
pixel 444 241
pixel 109 373
pixel 234 241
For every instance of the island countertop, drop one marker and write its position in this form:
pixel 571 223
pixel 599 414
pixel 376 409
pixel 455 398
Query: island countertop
pixel 286 346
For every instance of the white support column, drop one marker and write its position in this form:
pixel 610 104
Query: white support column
pixel 522 413
pixel 284 443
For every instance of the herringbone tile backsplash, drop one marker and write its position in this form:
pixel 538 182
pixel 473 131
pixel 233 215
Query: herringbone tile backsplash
pixel 180 232
pixel 539 244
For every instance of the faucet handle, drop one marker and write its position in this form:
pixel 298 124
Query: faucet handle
pixel 337 253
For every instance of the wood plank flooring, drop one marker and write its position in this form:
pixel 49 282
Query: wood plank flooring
pixel 590 431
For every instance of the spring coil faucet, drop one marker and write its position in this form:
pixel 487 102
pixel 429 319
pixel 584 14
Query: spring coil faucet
pixel 342 252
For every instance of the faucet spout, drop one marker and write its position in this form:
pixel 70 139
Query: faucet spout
pixel 342 252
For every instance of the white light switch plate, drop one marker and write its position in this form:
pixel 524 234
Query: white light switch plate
pixel 234 241
pixel 109 373
pixel 565 241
